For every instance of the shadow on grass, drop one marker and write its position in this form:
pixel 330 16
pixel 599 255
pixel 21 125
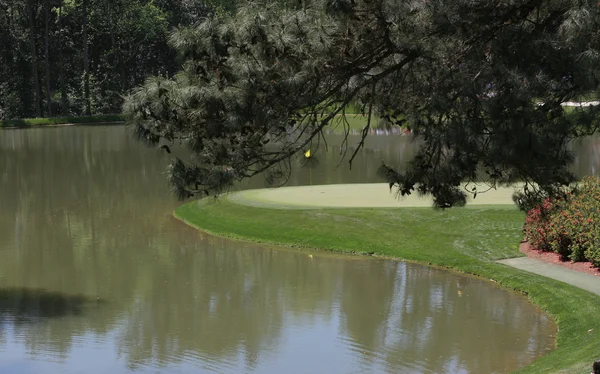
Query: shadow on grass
pixel 25 305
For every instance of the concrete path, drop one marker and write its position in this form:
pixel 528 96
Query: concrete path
pixel 582 280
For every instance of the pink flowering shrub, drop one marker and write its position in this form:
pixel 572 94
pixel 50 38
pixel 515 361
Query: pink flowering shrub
pixel 536 226
pixel 569 226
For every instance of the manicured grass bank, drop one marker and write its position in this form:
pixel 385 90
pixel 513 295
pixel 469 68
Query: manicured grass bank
pixel 30 122
pixel 467 240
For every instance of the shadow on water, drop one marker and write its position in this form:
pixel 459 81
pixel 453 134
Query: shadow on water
pixel 23 305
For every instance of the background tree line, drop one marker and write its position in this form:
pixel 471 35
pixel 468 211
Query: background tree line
pixel 78 57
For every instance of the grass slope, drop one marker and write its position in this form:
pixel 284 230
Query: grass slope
pixel 465 240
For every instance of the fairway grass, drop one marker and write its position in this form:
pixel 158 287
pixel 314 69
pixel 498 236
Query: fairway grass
pixel 466 240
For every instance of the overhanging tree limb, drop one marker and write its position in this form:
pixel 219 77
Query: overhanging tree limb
pixel 464 76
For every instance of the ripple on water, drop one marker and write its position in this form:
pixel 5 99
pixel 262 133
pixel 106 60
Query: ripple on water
pixel 87 211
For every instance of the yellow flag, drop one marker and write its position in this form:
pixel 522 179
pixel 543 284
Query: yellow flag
pixel 307 154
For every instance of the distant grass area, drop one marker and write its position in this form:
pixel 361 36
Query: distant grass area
pixel 355 122
pixel 31 122
pixel 587 97
pixel 464 240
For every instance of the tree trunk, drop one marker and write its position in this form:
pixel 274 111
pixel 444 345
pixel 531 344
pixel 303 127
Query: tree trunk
pixel 34 61
pixel 86 64
pixel 63 86
pixel 47 58
pixel 113 39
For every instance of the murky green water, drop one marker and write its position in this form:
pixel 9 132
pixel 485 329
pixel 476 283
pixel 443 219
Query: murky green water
pixel 97 277
pixel 397 151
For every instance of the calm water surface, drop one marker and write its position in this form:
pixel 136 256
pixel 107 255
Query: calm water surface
pixel 97 277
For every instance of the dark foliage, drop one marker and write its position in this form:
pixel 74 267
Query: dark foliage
pixel 479 84
pixel 43 54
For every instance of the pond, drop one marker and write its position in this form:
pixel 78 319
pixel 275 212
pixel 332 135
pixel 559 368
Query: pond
pixel 96 276
pixel 396 150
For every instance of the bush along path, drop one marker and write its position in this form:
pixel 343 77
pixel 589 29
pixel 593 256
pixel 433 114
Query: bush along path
pixel 569 226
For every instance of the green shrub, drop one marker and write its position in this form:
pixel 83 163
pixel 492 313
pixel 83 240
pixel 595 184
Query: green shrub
pixel 576 228
pixel 569 226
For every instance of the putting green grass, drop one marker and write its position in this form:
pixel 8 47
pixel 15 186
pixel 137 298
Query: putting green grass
pixel 467 240
pixel 370 195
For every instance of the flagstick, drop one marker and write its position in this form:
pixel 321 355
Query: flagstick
pixel 307 155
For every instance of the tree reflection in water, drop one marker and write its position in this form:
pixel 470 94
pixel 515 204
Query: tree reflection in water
pixel 86 211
